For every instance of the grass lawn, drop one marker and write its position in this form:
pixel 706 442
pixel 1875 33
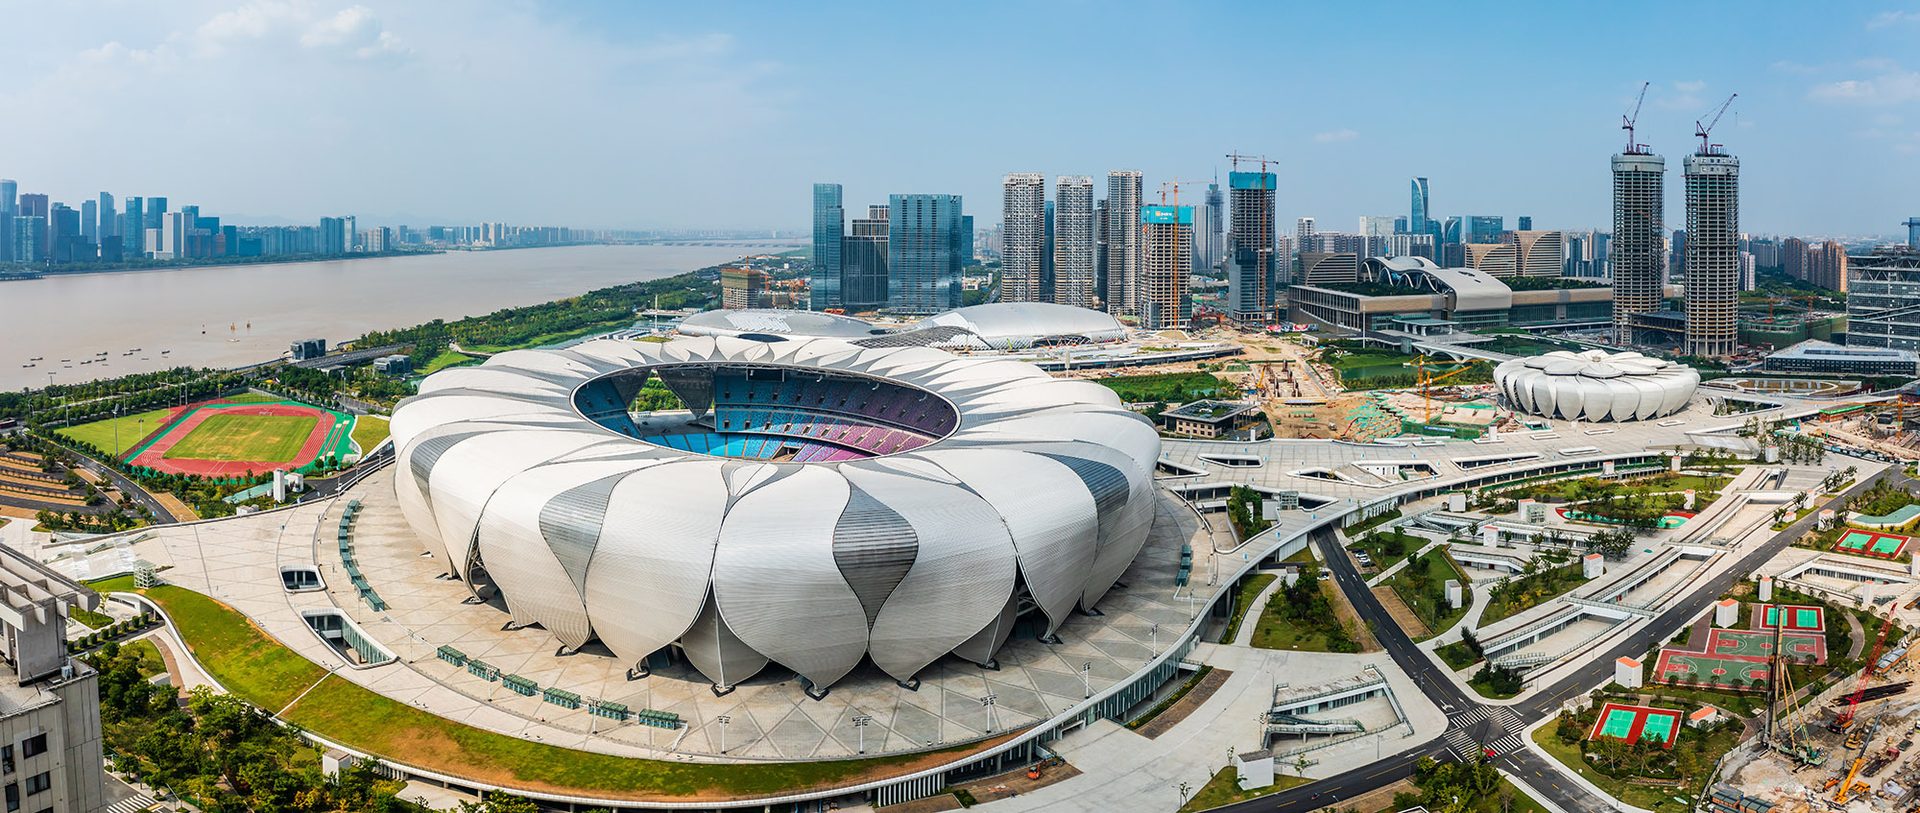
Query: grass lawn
pixel 1706 749
pixel 268 438
pixel 1382 547
pixel 1457 655
pixel 266 674
pixel 131 428
pixel 1275 631
pixel 447 358
pixel 369 431
pixel 150 661
pixel 553 338
pixel 1223 789
pixel 1171 387
pixel 91 619
pixel 253 398
pixel 1422 587
pixel 1242 599
pixel 1526 592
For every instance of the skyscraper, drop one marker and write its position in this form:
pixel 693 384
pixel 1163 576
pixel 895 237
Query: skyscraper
pixel 90 220
pixel 1829 269
pixel 133 228
pixel 1525 223
pixel 35 206
pixel 1166 234
pixel 1023 237
pixel 1418 219
pixel 9 207
pixel 109 218
pixel 156 213
pixel 1074 248
pixel 863 261
pixel 1250 245
pixel 63 234
pixel 1712 252
pixel 828 224
pixel 1123 241
pixel 924 257
pixel 1216 234
pixel 1099 249
pixel 1912 224
pixel 1303 235
pixel 1639 195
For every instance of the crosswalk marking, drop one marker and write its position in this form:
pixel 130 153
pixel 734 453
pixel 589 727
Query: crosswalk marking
pixel 131 804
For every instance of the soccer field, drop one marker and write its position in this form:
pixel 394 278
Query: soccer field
pixel 130 430
pixel 265 438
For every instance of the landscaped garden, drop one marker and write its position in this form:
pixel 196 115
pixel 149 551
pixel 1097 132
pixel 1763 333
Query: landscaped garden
pixel 1300 616
pixel 1529 589
pixel 1387 547
pixel 1635 758
pixel 1168 387
pixel 1422 585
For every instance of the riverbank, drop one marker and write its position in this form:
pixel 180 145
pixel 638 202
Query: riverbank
pixel 21 272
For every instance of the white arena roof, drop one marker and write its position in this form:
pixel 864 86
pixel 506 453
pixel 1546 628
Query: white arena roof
pixel 826 503
pixel 1017 325
pixel 776 322
pixel 1595 385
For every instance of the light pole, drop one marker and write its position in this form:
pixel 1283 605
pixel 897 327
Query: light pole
pixel 993 719
pixel 723 720
pixel 1086 679
pixel 860 722
pixel 1153 639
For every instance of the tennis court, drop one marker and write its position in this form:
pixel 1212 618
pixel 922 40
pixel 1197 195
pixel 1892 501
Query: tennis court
pixel 1710 668
pixel 1872 543
pixel 1752 643
pixel 1634 723
pixel 1800 618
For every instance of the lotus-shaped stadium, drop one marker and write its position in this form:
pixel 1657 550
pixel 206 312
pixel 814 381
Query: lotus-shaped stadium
pixel 1594 385
pixel 818 503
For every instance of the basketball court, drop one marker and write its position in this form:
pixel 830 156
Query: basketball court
pixel 1635 723
pixel 1795 646
pixel 1677 666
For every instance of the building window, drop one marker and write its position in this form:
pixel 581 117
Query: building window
pixel 13 796
pixel 6 758
pixel 39 783
pixel 33 746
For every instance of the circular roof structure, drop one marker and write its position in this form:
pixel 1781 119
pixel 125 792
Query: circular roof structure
pixel 1595 385
pixel 777 322
pixel 1019 325
pixel 818 504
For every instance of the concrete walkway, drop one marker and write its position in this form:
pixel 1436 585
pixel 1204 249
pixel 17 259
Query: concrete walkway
pixel 1244 636
pixel 1383 575
pixel 1125 771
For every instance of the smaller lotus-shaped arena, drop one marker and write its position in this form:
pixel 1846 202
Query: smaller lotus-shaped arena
pixel 1594 385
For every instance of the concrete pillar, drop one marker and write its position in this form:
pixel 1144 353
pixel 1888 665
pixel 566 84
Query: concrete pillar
pixel 1606 467
pixel 1592 566
pixel 1456 502
pixel 1766 588
pixel 1626 672
pixel 1726 613
pixel 1690 499
pixel 1490 536
pixel 1455 596
pixel 279 486
pixel 1673 462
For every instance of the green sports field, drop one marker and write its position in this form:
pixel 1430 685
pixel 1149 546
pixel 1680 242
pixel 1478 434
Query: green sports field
pixel 130 430
pixel 271 438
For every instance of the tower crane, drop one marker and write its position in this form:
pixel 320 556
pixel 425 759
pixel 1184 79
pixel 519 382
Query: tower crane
pixel 1237 157
pixel 1426 380
pixel 1845 716
pixel 1703 130
pixel 1627 121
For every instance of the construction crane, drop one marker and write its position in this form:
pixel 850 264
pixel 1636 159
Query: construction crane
pixel 1845 716
pixel 1426 380
pixel 1237 157
pixel 1627 121
pixel 1703 130
pixel 1786 727
pixel 1846 785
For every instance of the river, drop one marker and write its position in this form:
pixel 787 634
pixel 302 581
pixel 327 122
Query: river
pixel 228 316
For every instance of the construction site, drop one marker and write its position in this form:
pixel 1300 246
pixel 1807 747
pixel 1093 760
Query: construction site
pixel 1848 746
pixel 1891 428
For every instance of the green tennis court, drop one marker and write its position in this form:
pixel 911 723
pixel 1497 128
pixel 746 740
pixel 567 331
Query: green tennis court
pixel 1871 543
pixel 1800 618
pixel 1635 723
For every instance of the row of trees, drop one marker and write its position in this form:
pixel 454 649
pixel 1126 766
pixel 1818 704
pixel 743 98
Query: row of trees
pixel 607 307
pixel 1304 604
pixel 1243 510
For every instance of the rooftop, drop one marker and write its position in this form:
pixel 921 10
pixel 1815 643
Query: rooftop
pixel 1210 410
pixel 1814 348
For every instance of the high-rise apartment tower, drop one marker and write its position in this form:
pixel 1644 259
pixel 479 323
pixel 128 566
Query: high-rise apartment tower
pixel 1250 245
pixel 1712 253
pixel 1123 241
pixel 829 224
pixel 1023 237
pixel 1073 241
pixel 1639 192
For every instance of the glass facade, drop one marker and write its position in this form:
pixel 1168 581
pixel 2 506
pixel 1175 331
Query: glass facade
pixel 828 230
pixel 926 251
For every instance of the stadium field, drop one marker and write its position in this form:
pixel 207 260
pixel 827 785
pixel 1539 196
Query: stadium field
pixel 227 436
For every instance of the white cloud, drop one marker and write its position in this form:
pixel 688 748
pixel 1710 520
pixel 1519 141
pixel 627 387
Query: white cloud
pixel 1888 19
pixel 1682 95
pixel 1336 136
pixel 1890 88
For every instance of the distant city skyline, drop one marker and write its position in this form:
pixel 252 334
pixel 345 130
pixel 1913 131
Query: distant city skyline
pixel 604 115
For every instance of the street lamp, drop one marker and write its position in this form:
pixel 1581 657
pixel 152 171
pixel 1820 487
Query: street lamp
pixel 1086 679
pixel 993 719
pixel 723 720
pixel 860 722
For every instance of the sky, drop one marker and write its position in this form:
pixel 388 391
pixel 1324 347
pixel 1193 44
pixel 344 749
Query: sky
pixel 721 115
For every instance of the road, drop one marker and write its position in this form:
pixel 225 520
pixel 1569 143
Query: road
pixel 1473 725
pixel 161 516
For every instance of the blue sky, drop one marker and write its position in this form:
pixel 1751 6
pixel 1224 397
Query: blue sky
pixel 722 114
